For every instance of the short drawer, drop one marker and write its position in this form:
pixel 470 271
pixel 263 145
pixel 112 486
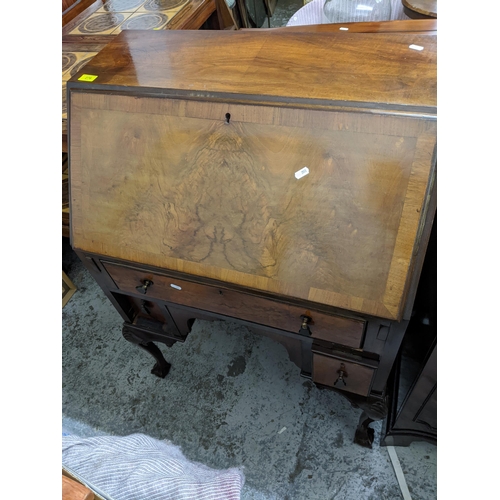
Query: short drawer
pixel 345 331
pixel 342 374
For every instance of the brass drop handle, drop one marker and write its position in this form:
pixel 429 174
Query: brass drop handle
pixel 342 373
pixel 144 287
pixel 304 328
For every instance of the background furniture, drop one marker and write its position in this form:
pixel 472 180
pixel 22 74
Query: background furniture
pixel 258 11
pixel 413 386
pixel 88 25
pixel 305 215
pixel 420 9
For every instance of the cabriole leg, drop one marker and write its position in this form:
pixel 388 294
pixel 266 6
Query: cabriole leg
pixel 140 338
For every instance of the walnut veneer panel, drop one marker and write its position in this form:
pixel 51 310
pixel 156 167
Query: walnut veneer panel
pixel 342 67
pixel 169 183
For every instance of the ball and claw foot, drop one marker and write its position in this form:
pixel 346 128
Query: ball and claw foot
pixel 161 369
pixel 364 437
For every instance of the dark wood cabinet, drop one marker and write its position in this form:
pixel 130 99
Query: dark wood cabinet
pixel 210 180
pixel 257 12
pixel 413 385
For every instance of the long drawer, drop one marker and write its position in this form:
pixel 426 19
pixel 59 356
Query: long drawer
pixel 337 329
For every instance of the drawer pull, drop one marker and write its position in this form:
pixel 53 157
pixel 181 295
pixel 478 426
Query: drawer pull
pixel 304 329
pixel 298 320
pixel 342 373
pixel 144 287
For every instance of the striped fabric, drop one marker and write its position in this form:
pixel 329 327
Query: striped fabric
pixel 138 467
pixel 312 13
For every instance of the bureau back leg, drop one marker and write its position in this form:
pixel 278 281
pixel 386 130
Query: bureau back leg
pixel 372 411
pixel 143 340
pixel 373 408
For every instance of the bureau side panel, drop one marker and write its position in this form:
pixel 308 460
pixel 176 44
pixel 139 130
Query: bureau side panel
pixel 318 205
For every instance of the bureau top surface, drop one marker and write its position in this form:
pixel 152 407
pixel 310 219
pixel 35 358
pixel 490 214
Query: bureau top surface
pixel 374 69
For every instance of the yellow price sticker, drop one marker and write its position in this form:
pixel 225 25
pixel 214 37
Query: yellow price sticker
pixel 87 78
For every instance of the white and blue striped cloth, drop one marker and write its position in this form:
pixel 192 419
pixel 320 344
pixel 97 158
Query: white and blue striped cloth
pixel 312 13
pixel 138 467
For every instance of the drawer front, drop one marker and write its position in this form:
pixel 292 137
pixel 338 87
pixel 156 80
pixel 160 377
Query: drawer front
pixel 340 374
pixel 239 305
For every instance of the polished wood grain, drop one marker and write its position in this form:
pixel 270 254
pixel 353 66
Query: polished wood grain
pixel 68 4
pixel 424 7
pixel 428 26
pixel 300 66
pixel 224 203
pixel 80 8
pixel 71 490
pixel 79 13
pixel 345 331
pixel 84 43
pixel 357 377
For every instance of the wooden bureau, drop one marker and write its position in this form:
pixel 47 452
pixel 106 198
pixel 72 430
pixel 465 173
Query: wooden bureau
pixel 281 179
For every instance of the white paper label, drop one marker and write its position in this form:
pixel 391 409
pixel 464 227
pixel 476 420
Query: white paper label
pixel 177 287
pixel 344 29
pixel 416 47
pixel 300 173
